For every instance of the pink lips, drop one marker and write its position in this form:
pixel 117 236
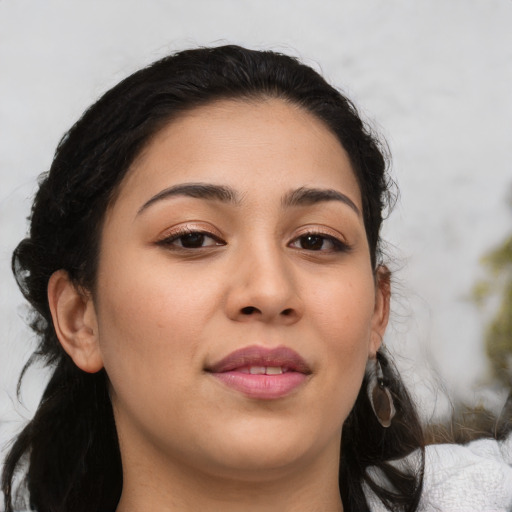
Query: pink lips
pixel 262 373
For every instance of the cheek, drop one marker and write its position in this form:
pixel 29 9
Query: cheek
pixel 342 315
pixel 149 326
pixel 343 309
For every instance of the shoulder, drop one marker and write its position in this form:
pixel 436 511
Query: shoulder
pixel 476 477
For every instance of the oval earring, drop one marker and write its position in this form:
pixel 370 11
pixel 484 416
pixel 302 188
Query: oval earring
pixel 378 393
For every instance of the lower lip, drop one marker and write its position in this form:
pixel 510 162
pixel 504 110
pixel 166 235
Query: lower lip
pixel 262 387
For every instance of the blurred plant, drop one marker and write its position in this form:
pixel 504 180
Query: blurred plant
pixel 498 336
pixel 468 423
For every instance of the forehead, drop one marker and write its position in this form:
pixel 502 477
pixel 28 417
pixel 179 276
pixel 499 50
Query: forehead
pixel 247 144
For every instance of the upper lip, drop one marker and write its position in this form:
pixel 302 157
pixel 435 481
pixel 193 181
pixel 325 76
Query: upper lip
pixel 261 356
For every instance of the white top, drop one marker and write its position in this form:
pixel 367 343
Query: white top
pixel 476 477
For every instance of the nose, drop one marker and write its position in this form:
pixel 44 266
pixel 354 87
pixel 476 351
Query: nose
pixel 263 287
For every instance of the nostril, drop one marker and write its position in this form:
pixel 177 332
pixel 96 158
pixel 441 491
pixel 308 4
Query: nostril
pixel 287 312
pixel 249 310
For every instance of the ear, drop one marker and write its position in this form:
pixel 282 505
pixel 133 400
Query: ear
pixel 381 311
pixel 74 320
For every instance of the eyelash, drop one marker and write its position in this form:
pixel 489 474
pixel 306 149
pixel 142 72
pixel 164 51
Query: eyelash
pixel 170 240
pixel 337 244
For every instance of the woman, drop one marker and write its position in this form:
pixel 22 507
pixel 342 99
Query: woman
pixel 204 268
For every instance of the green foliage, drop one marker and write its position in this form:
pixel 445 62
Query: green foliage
pixel 500 259
pixel 498 339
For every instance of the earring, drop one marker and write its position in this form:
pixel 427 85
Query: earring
pixel 378 393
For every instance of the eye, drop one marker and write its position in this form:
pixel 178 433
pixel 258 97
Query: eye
pixel 191 239
pixel 319 242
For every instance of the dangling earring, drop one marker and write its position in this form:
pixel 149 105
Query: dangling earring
pixel 378 393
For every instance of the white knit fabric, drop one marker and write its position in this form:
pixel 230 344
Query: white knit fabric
pixel 476 477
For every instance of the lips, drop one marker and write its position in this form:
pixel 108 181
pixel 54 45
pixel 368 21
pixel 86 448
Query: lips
pixel 262 373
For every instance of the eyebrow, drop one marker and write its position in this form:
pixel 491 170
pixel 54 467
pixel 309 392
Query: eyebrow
pixel 195 190
pixel 305 196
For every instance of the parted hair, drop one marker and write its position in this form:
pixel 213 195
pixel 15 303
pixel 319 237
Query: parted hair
pixel 68 454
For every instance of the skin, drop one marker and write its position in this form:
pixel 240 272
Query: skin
pixel 162 313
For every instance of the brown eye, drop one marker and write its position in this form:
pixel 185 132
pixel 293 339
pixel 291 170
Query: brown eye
pixel 320 243
pixel 191 240
pixel 312 242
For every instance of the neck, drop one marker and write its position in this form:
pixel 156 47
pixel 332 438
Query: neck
pixel 156 483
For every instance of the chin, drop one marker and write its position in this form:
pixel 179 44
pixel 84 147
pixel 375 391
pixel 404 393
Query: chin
pixel 263 450
pixel 258 464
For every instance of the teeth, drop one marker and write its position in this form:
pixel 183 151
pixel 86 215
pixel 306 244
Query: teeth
pixel 257 370
pixel 265 370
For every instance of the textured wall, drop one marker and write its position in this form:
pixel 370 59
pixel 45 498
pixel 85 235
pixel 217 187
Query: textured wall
pixel 434 76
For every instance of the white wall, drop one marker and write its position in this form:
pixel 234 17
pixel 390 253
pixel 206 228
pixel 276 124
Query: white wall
pixel 435 76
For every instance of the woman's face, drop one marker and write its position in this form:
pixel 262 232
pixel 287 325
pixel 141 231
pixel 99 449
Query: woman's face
pixel 236 306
